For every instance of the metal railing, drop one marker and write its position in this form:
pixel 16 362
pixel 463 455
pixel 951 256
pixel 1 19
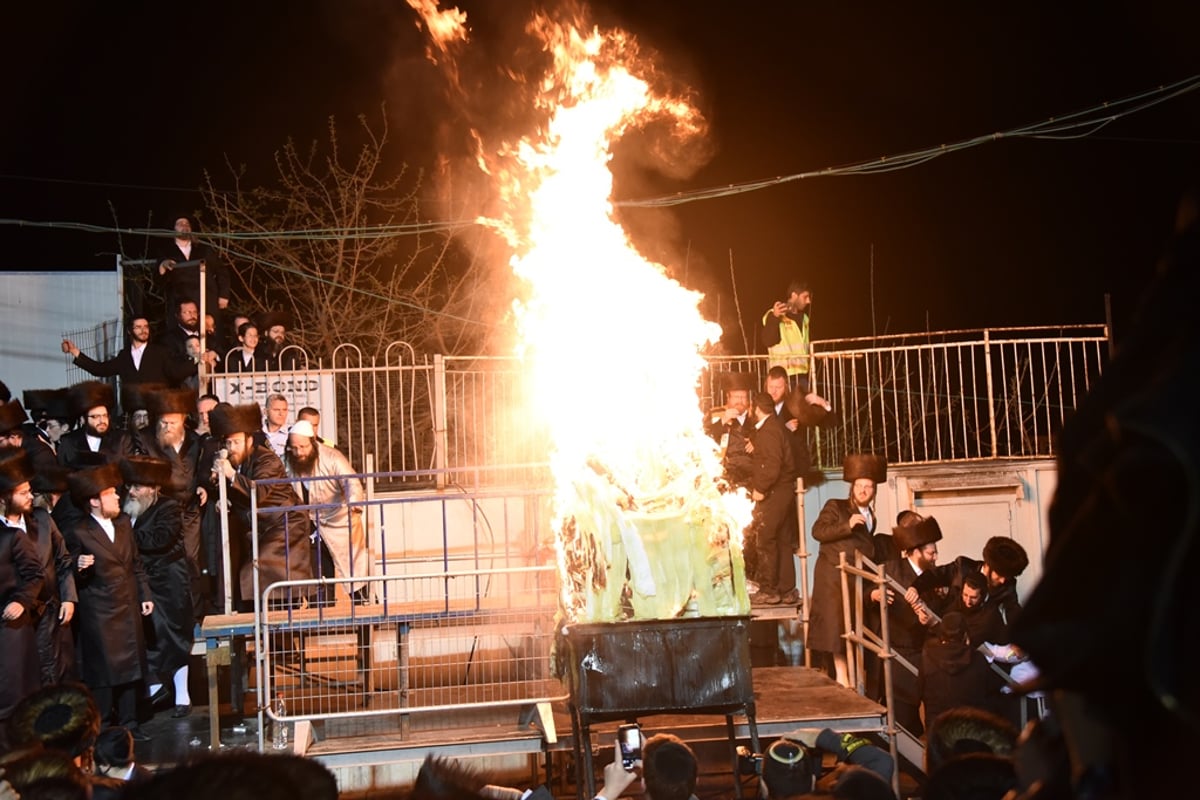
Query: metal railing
pixel 948 396
pixel 463 621
pixel 919 398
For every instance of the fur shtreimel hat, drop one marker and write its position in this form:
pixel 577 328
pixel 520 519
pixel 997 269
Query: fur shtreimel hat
pixel 82 397
pixel 51 480
pixel 734 381
pixel 1005 556
pixel 59 717
pixel 172 401
pixel 808 414
pixel 15 468
pixel 88 483
pixel 136 396
pixel 48 403
pixel 12 416
pixel 864 465
pixel 917 534
pixel 146 471
pixel 225 419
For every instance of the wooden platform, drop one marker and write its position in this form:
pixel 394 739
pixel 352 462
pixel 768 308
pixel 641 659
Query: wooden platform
pixel 786 698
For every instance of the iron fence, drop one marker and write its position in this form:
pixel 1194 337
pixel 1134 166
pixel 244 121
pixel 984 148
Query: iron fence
pixel 945 396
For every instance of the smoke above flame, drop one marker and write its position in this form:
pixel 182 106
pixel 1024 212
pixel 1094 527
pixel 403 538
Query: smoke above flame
pixel 610 341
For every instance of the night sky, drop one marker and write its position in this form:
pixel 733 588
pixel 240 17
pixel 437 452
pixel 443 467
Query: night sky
pixel 124 109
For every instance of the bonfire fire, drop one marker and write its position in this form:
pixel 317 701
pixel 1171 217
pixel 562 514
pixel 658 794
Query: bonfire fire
pixel 612 345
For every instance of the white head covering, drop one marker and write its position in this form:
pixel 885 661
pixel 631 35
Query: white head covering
pixel 304 428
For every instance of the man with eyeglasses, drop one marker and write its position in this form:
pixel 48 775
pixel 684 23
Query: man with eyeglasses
pixel 94 403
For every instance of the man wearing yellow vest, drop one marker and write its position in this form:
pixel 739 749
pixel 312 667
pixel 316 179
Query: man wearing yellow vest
pixel 785 333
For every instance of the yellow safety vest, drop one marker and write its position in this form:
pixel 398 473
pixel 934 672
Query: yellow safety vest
pixel 792 351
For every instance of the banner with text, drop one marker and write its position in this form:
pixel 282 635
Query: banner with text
pixel 313 389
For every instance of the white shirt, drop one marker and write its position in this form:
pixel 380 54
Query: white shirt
pixel 136 352
pixel 93 442
pixel 277 439
pixel 107 525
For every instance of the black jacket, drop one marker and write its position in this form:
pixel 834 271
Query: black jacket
pixel 159 365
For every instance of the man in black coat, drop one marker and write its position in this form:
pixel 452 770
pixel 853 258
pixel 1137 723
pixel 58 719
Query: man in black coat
pixel 843 526
pixel 95 403
pixel 20 586
pixel 771 488
pixel 282 530
pixel 1003 561
pixel 139 361
pixel 730 426
pixel 170 439
pixel 179 267
pixel 907 615
pixel 57 599
pixel 156 529
pixel 47 412
pixel 113 596
pixel 273 345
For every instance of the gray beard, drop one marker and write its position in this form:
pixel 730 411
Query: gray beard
pixel 136 508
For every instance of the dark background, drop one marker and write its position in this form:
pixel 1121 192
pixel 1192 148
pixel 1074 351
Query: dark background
pixel 123 106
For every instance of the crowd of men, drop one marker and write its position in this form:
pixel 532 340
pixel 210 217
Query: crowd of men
pixel 110 541
pixel 950 622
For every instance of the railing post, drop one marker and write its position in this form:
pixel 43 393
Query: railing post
pixel 987 362
pixel 441 440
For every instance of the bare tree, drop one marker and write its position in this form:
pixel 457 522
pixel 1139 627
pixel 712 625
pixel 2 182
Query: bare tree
pixel 339 243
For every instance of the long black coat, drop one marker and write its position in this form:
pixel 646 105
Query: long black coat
pixel 184 282
pixel 283 546
pixel 185 477
pixel 111 646
pixel 832 529
pixel 55 645
pixel 169 629
pixel 20 581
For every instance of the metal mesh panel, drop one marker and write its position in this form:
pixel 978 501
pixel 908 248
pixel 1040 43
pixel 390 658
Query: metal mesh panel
pixel 101 342
pixel 446 642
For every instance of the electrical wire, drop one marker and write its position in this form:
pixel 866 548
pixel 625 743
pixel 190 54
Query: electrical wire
pixel 1076 125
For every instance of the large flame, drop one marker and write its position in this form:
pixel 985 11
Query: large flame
pixel 613 346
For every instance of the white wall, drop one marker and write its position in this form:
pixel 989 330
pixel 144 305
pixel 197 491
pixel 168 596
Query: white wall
pixel 37 308
pixel 972 501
